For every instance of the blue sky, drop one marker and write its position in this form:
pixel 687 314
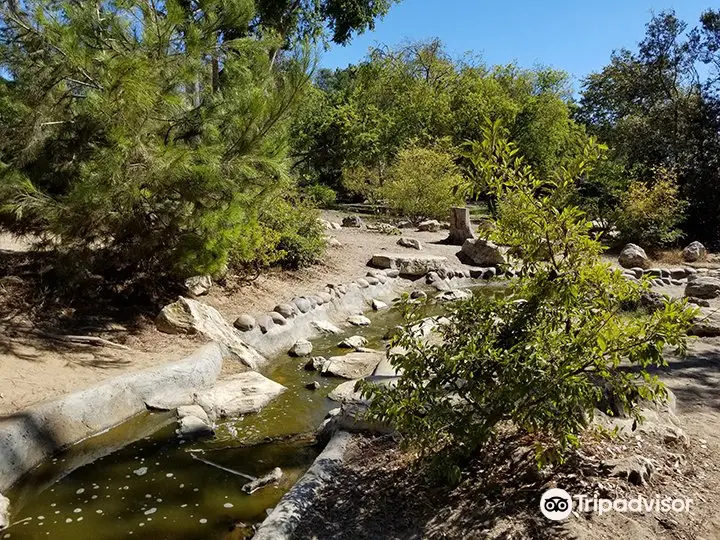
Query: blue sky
pixel 574 35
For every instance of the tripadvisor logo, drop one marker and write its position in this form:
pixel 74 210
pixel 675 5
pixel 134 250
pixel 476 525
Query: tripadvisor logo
pixel 557 504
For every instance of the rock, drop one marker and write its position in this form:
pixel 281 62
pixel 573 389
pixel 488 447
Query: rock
pixel 636 469
pixel 266 323
pixel 278 319
pixel 418 294
pixel 345 393
pixel 654 272
pixel 325 327
pixel 460 227
pixel 377 305
pixel 302 347
pixel 362 283
pixel 408 242
pixel 483 252
pixel 678 273
pixel 245 323
pixel 4 512
pixel 198 285
pixel 192 427
pixel 705 324
pixel 676 282
pixel 336 226
pixel 326 297
pixel 633 256
pixel 273 476
pixel 353 342
pixel 333 242
pixel 703 287
pixel 358 320
pixel 352 221
pixel 325 224
pixel 409 265
pixel 698 301
pixel 392 273
pixel 431 225
pixel 193 410
pixel 637 272
pixel 694 252
pixel 372 280
pixel 316 363
pixel 384 228
pixel 355 365
pixel 286 310
pixel 312 300
pixel 239 394
pixel 313 385
pixel 454 295
pixel 302 304
pixel 187 316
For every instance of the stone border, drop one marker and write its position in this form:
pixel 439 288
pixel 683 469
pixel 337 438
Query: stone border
pixel 285 517
pixel 29 437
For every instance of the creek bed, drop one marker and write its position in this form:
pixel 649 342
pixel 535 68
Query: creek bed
pixel 155 487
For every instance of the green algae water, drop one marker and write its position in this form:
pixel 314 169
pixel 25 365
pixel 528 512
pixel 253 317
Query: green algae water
pixel 157 487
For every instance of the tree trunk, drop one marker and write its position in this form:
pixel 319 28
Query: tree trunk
pixel 460 227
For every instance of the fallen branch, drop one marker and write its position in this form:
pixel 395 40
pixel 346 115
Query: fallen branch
pixel 272 476
pixel 238 473
pixel 89 340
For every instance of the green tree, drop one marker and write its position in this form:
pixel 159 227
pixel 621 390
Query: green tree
pixel 541 357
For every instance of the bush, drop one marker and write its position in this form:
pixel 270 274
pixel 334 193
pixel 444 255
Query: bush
pixel 287 232
pixel 540 358
pixel 322 195
pixel 650 215
pixel 421 184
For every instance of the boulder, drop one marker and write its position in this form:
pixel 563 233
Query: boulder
pixel 431 225
pixel 705 324
pixel 314 385
pixel 453 295
pixel 302 347
pixel 192 427
pixel 286 310
pixel 703 287
pixel 278 319
pixel 694 252
pixel 302 304
pixel 266 323
pixel 483 252
pixel 362 283
pixel 325 327
pixel 187 316
pixel 636 469
pixel 4 512
pixel 409 265
pixel 358 320
pixel 698 301
pixel 352 221
pixel 354 365
pixel 678 273
pixel 377 305
pixel 346 393
pixel 198 285
pixel 417 294
pixel 633 256
pixel 333 242
pixel 392 273
pixel 239 394
pixel 460 228
pixel 245 323
pixel 353 342
pixel 406 241
pixel 316 363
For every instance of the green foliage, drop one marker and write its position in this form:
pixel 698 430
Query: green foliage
pixel 650 215
pixel 323 196
pixel 655 108
pixel 421 184
pixel 542 356
pixel 361 117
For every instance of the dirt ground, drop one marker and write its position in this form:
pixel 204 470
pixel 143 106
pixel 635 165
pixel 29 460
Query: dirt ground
pixel 36 368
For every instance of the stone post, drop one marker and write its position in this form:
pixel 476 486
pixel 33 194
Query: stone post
pixel 460 228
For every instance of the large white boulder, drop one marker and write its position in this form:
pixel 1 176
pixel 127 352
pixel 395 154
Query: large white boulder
pixel 240 394
pixel 483 252
pixel 355 365
pixel 4 512
pixel 187 316
pixel 703 287
pixel 633 256
pixel 409 265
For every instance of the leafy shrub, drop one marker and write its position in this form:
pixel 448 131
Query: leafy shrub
pixel 650 215
pixel 541 357
pixel 322 195
pixel 421 184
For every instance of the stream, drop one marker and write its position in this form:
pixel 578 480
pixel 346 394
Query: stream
pixel 155 487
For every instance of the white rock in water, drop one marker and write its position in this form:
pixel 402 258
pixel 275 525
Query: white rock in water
pixel 4 512
pixel 359 320
pixel 302 347
pixel 325 327
pixel 142 471
pixel 355 365
pixel 353 342
pixel 377 305
pixel 239 394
